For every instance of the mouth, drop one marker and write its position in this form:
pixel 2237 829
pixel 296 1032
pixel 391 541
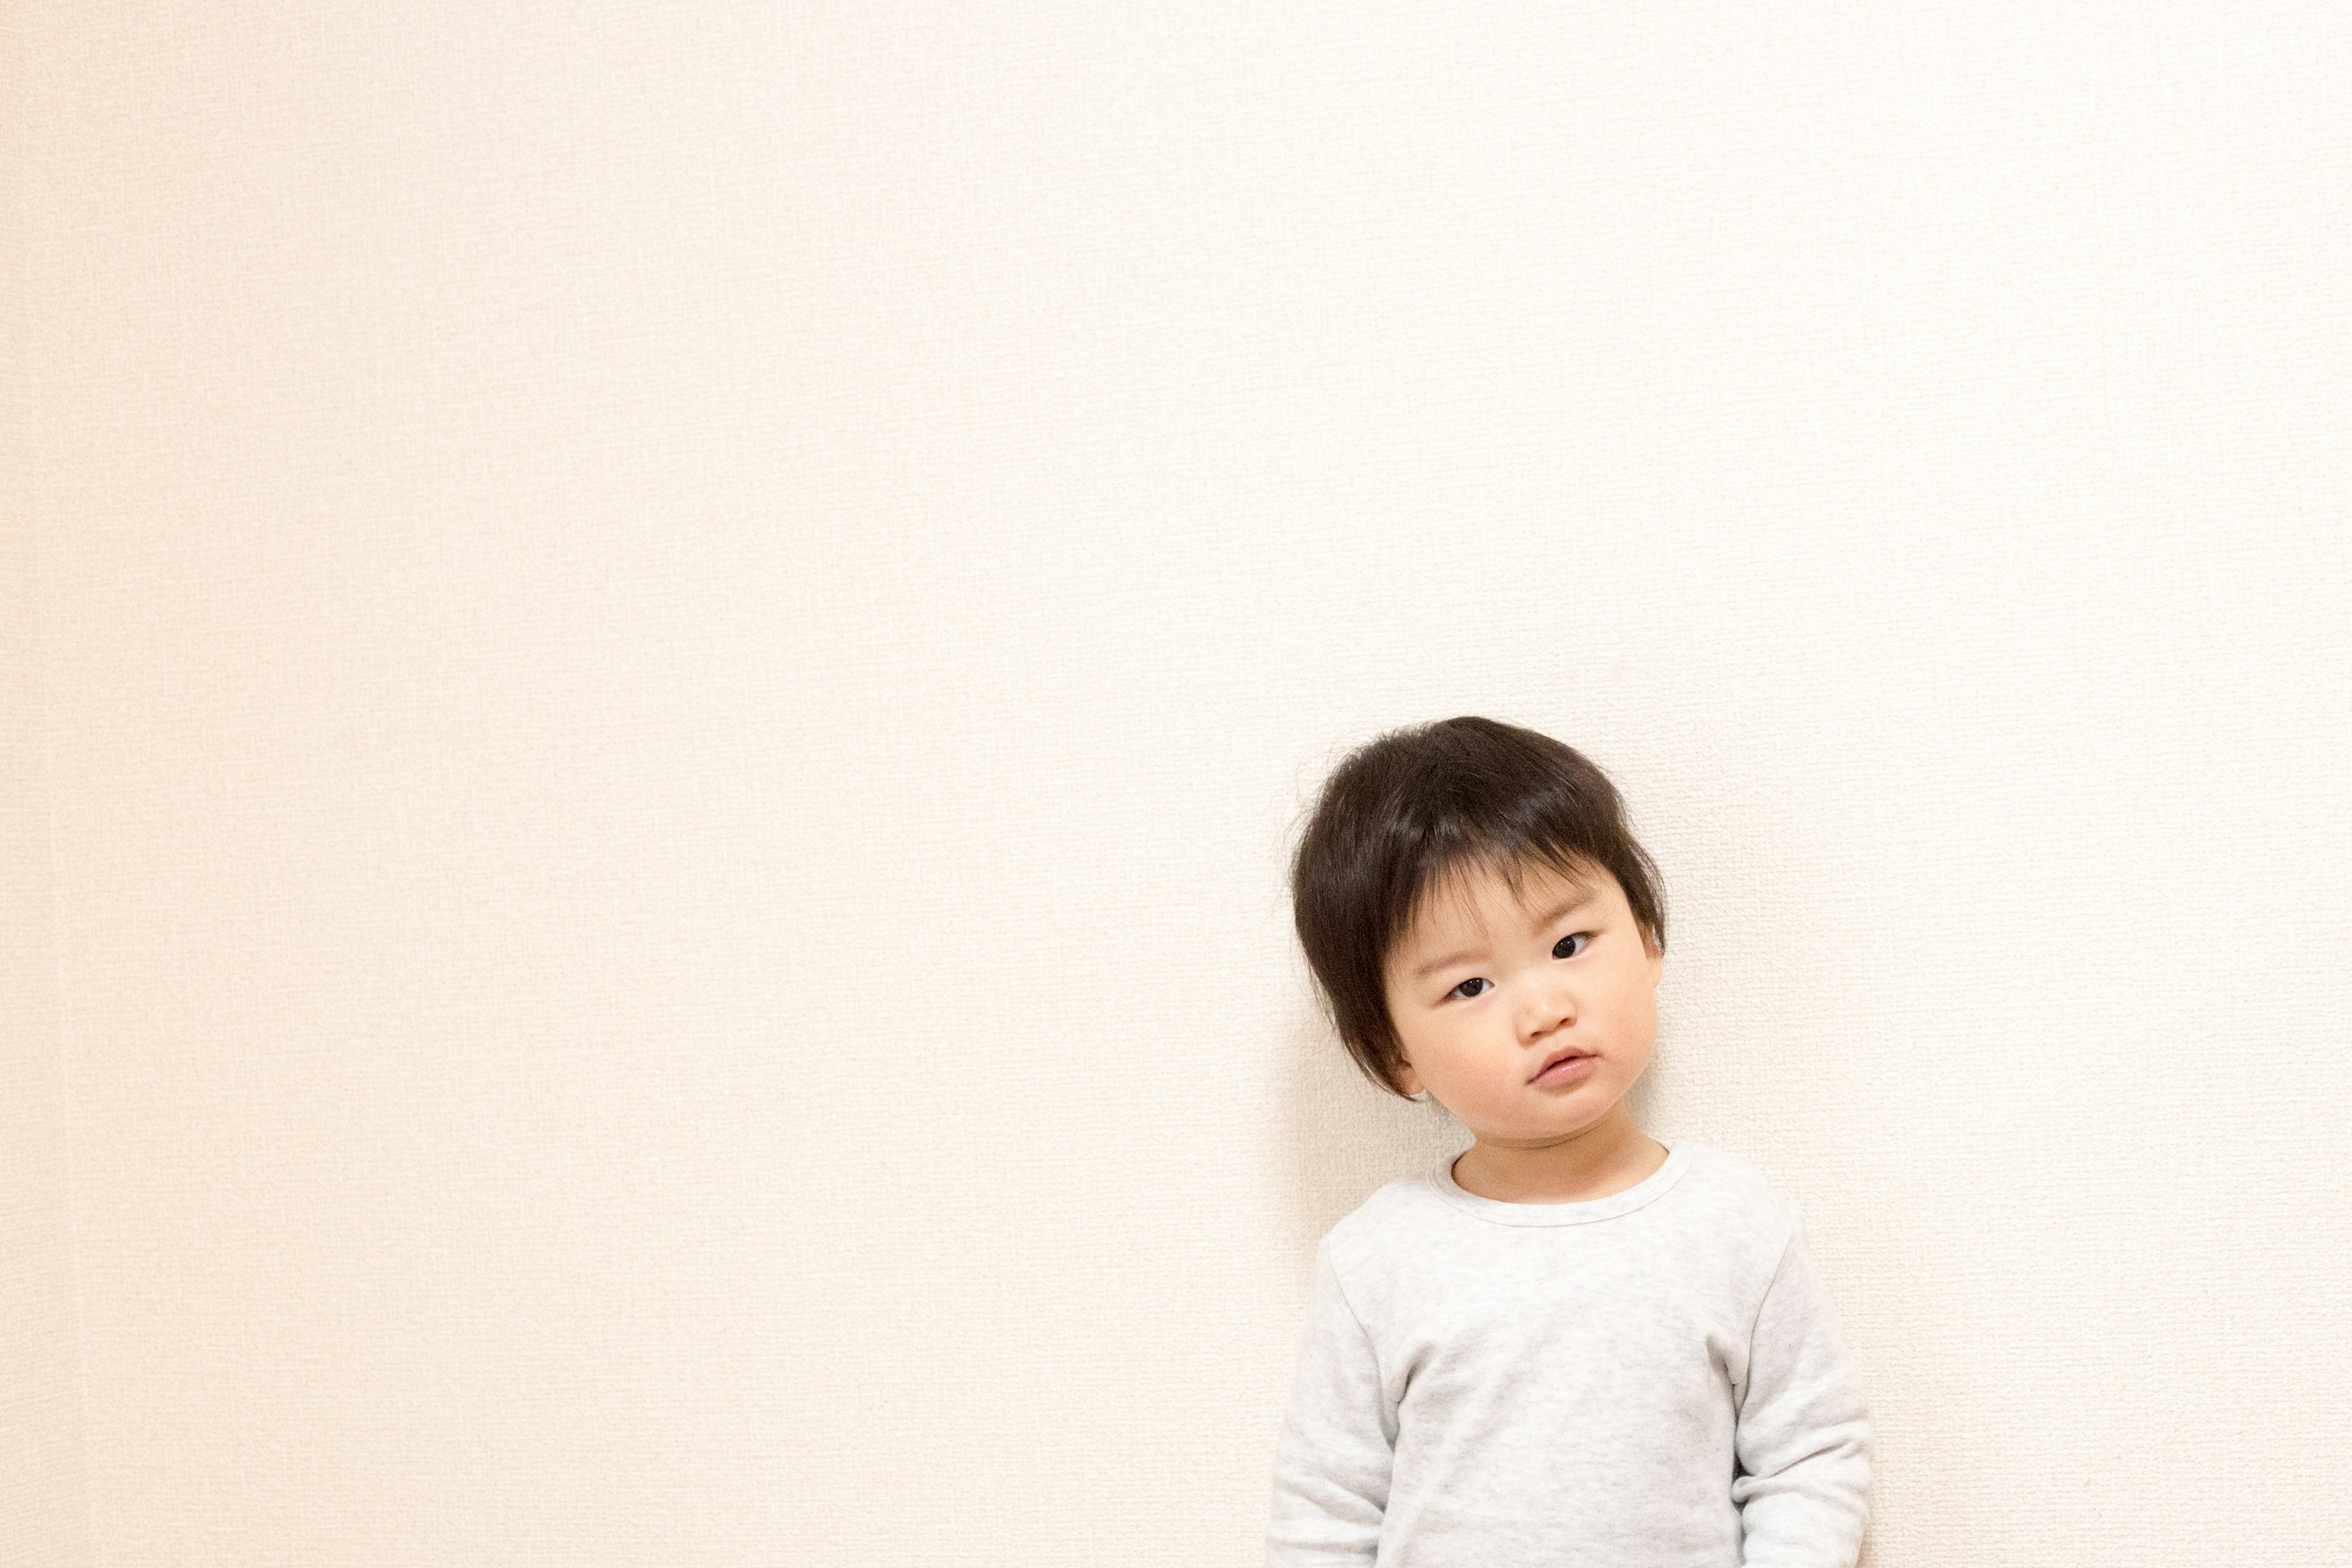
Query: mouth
pixel 1564 1066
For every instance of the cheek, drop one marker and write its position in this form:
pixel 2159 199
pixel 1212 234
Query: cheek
pixel 1634 1013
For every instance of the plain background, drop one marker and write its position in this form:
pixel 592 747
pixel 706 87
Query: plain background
pixel 659 659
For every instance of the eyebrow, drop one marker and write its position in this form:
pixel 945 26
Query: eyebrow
pixel 1575 900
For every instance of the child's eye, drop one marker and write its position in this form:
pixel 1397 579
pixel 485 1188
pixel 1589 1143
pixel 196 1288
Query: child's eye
pixel 1473 980
pixel 1559 948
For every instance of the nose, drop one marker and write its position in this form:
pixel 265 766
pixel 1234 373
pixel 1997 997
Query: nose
pixel 1547 1009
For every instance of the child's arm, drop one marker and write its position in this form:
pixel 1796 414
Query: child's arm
pixel 1331 1467
pixel 1804 1438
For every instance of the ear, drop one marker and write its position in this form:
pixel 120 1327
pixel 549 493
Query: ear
pixel 1408 1079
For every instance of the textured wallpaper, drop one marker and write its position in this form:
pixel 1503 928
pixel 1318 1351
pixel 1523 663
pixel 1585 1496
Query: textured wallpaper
pixel 662 658
pixel 43 1506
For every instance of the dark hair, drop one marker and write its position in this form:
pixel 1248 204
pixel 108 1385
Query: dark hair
pixel 1417 806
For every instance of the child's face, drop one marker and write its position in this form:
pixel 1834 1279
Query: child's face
pixel 1484 989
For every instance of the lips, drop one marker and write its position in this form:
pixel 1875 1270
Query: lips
pixel 1568 1053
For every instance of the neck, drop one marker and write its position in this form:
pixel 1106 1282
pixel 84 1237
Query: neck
pixel 1607 1157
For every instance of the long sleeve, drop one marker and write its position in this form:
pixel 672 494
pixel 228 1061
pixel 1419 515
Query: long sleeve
pixel 1332 1463
pixel 1803 1438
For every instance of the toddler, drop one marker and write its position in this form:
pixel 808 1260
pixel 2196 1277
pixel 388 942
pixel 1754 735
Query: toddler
pixel 1570 1345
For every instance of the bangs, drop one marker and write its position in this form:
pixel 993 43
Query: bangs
pixel 1452 880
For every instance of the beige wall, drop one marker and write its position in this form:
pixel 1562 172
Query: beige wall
pixel 682 642
pixel 44 1504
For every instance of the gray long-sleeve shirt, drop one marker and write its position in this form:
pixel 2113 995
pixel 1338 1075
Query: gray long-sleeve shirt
pixel 1646 1379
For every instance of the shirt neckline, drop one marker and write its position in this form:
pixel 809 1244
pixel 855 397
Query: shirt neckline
pixel 1679 1155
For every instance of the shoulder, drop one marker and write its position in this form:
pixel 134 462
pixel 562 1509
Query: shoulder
pixel 1396 1220
pixel 1723 1191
